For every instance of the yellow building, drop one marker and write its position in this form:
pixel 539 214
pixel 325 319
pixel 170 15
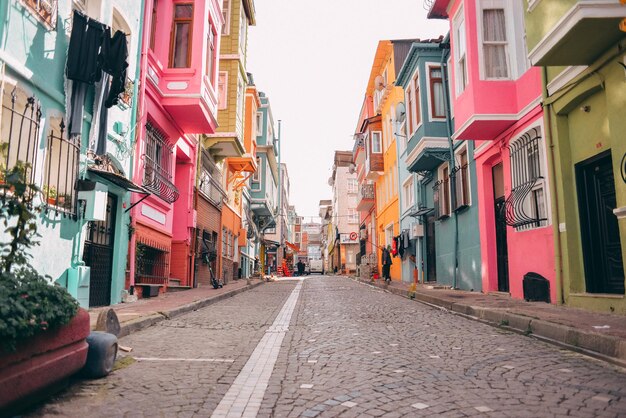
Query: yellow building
pixel 385 97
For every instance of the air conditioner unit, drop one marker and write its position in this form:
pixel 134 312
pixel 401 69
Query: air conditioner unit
pixel 417 230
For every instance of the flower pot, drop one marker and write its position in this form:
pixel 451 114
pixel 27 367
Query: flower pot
pixel 39 362
pixel 52 201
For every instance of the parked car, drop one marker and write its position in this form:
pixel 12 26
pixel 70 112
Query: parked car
pixel 316 266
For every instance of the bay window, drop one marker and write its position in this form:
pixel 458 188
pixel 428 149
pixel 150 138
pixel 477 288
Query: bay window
pixel 435 80
pixel 460 54
pixel 495 45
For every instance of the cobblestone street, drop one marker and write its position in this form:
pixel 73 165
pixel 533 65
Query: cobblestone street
pixel 349 350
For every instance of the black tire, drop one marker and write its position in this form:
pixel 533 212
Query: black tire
pixel 100 355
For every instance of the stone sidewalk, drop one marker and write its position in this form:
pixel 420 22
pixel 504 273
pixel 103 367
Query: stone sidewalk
pixel 138 315
pixel 601 335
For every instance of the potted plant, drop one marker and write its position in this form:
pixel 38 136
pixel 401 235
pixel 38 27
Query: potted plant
pixel 50 194
pixel 43 333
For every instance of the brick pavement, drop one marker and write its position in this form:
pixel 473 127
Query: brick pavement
pixel 351 350
pixel 598 333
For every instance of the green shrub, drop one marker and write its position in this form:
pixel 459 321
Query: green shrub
pixel 29 304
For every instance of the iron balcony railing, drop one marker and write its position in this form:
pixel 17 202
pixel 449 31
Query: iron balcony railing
pixel 367 191
pixel 157 176
pixel 210 184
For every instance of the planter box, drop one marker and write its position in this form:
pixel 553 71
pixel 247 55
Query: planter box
pixel 43 360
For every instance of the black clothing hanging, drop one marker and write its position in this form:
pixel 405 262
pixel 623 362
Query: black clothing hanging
pixel 83 54
pixel 115 62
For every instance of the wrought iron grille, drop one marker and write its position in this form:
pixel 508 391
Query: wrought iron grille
pixel 524 208
pixel 46 10
pixel 61 171
pixel 210 184
pixel 157 175
pixel 152 265
pixel 20 134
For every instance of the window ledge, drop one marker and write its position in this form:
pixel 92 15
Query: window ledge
pixel 597 295
pixel 443 217
pixel 461 208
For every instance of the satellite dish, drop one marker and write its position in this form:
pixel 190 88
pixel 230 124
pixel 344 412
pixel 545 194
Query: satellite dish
pixel 379 83
pixel 400 112
pixel 352 168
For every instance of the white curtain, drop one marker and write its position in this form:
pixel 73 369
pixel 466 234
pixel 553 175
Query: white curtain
pixel 495 43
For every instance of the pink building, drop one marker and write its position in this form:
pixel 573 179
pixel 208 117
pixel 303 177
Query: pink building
pixel 496 101
pixel 178 101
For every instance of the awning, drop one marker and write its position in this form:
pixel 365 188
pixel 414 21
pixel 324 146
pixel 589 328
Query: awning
pixel 292 246
pixel 119 180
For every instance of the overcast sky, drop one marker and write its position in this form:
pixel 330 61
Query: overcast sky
pixel 313 59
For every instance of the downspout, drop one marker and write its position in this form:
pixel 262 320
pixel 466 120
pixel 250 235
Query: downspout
pixel 444 81
pixel 554 201
pixel 140 76
pixel 279 208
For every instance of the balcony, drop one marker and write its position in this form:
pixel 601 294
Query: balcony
pixel 186 94
pixel 428 155
pixel 374 166
pixel 45 10
pixel 580 36
pixel 222 145
pixel 367 196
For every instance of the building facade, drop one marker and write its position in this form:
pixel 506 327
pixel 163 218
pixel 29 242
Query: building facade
pixel 496 99
pixel 436 205
pixel 583 100
pixel 75 137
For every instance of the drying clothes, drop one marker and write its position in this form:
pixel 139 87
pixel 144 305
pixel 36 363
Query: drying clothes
pixel 98 134
pixel 115 62
pixel 84 62
pixel 77 107
pixel 406 239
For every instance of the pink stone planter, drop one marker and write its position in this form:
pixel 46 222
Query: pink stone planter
pixel 44 360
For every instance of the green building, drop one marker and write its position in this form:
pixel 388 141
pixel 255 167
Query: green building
pixel 78 185
pixel 582 50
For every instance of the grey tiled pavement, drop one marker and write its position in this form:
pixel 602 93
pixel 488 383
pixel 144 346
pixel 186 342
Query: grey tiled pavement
pixel 350 350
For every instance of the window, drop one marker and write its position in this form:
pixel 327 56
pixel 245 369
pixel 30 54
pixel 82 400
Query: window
pixel 259 123
pixel 297 238
pixel 211 56
pixel 256 177
pixel 353 216
pixel 376 143
pixel 243 29
pixel 409 107
pixel 157 160
pixel 153 23
pixel 222 90
pixel 437 107
pixel 226 14
pixel 441 193
pixel 462 179
pixel 526 205
pixel 495 44
pixel 180 45
pixel 352 186
pixel 460 56
pixel 414 111
pixel 240 102
pixel 408 194
pixel 389 234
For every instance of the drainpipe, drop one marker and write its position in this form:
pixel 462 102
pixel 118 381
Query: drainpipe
pixel 554 201
pixel 137 118
pixel 444 81
pixel 279 209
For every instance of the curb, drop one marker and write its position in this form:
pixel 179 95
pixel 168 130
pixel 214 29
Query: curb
pixel 142 323
pixel 605 347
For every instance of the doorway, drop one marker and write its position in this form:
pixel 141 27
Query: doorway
pixel 431 255
pixel 602 250
pixel 502 250
pixel 98 255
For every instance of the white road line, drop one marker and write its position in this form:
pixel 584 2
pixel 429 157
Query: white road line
pixel 208 360
pixel 244 397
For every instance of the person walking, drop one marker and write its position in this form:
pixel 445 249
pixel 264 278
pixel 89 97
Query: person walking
pixel 386 261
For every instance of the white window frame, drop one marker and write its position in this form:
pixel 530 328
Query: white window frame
pixel 256 177
pixel 415 109
pixel 389 234
pixel 353 216
pixel 226 14
pixel 243 32
pixel 353 186
pixel 408 194
pixel 430 65
pixel 457 21
pixel 517 56
pixel 457 161
pixel 380 142
pixel 450 86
